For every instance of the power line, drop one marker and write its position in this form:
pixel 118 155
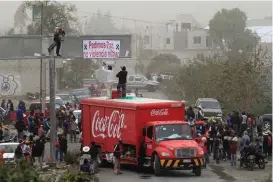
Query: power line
pixel 124 18
pixel 152 22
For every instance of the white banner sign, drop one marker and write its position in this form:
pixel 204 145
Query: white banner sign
pixel 101 48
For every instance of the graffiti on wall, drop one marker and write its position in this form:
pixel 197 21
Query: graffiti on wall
pixel 8 85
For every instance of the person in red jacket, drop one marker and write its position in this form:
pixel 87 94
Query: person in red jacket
pixel 205 149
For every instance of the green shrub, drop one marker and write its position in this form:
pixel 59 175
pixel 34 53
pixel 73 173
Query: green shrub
pixel 76 177
pixel 24 173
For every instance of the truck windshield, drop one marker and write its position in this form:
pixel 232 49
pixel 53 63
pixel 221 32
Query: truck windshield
pixel 173 132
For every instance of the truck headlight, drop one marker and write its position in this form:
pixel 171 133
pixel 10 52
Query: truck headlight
pixel 165 154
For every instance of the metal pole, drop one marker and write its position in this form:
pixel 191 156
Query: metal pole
pixel 53 124
pixel 42 66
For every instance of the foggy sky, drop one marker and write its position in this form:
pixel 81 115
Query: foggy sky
pixel 152 11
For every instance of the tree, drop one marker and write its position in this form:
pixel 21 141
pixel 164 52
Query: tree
pixel 55 14
pixel 77 70
pixel 101 24
pixel 228 29
pixel 239 84
pixel 10 32
pixel 163 63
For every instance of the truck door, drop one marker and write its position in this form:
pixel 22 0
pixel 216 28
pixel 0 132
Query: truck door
pixel 149 140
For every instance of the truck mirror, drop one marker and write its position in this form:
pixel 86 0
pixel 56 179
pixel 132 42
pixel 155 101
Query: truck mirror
pixel 144 132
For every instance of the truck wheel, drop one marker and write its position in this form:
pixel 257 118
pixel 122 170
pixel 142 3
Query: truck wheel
pixel 197 171
pixel 156 166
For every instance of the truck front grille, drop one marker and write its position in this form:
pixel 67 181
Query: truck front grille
pixel 185 152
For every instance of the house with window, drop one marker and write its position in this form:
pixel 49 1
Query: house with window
pixel 183 33
pixel 183 37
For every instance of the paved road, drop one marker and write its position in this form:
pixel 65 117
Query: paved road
pixel 222 172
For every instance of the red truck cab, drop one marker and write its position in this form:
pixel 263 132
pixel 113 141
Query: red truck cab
pixel 160 124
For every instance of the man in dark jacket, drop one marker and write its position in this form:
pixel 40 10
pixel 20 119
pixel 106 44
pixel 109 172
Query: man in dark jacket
pixel 190 113
pixel 37 150
pixel 20 127
pixel 94 151
pixel 57 39
pixel 141 157
pixel 117 156
pixel 63 147
pixel 122 80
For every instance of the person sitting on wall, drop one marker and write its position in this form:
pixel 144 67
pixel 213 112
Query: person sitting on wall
pixel 122 80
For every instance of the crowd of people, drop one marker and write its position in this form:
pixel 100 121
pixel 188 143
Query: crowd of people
pixel 224 138
pixel 33 131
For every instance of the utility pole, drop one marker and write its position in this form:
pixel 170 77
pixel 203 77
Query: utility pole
pixel 53 124
pixel 42 66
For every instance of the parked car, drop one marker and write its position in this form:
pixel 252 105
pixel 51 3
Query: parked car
pixel 58 100
pixel 79 94
pixel 37 106
pixel 87 82
pixel 267 121
pixel 66 98
pixel 209 107
pixel 9 149
pixel 142 83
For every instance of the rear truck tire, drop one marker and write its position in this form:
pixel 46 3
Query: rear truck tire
pixel 151 88
pixel 197 171
pixel 156 166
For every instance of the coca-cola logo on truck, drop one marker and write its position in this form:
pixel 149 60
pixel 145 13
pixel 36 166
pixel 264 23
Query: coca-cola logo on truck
pixel 160 112
pixel 107 126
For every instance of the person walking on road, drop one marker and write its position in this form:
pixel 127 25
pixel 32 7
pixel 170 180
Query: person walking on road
pixel 38 149
pixel 63 147
pixel 117 156
pixel 243 124
pixel 20 127
pixel 94 151
pixel 73 127
pixel 18 154
pixel 233 149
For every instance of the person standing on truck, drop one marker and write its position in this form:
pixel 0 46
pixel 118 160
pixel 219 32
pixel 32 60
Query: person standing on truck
pixel 122 80
pixel 117 156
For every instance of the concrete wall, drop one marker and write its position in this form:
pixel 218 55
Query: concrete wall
pixel 26 74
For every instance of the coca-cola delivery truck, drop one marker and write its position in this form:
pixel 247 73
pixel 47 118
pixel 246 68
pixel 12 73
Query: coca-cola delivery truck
pixel 160 124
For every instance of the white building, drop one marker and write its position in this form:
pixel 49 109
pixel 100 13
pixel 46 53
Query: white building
pixel 183 33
